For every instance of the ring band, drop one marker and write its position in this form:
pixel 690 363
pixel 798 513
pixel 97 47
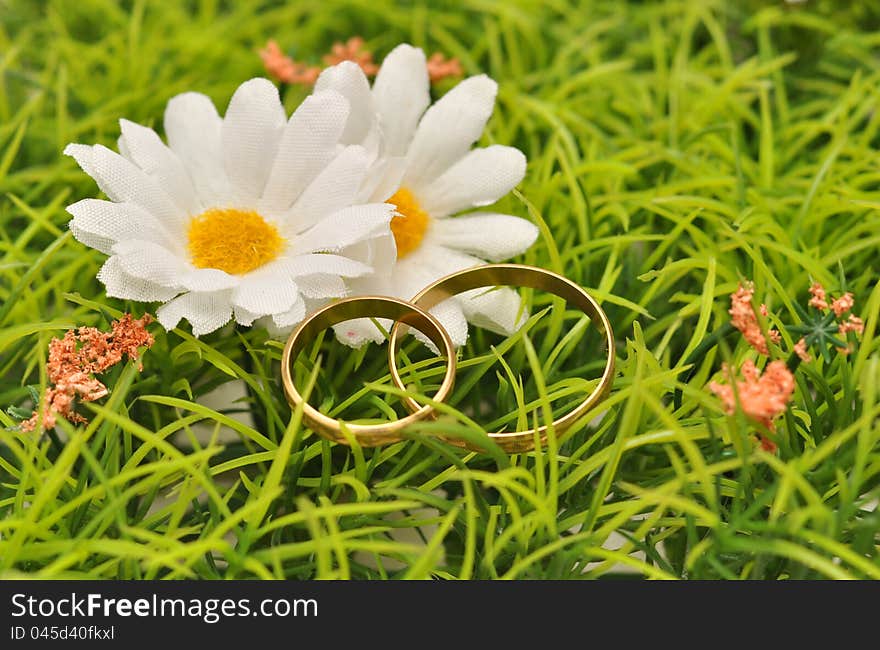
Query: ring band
pixel 402 312
pixel 494 275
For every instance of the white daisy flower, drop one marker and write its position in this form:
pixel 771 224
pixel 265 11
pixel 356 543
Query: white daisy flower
pixel 424 162
pixel 242 216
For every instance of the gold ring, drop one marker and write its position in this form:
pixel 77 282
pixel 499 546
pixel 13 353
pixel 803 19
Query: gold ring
pixel 494 275
pixel 402 312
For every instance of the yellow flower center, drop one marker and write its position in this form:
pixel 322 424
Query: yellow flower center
pixel 408 228
pixel 235 241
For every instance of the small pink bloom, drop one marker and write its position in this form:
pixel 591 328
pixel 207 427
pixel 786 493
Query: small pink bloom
pixel 842 304
pixel 764 311
pixel 819 299
pixel 284 69
pixel 852 324
pixel 800 349
pixel 352 50
pixel 744 319
pixel 440 68
pixel 76 357
pixel 760 396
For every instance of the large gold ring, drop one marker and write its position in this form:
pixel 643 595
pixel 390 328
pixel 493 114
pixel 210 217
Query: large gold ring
pixel 400 311
pixel 494 275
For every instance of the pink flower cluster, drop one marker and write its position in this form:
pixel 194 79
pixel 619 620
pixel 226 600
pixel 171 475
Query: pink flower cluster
pixel 77 357
pixel 284 69
pixel 744 319
pixel 761 396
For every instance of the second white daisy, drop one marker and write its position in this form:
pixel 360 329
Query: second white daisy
pixel 423 159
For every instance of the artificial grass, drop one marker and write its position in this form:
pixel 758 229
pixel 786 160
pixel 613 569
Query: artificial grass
pixel 674 149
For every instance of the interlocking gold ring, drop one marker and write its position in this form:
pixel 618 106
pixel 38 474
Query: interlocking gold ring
pixel 494 275
pixel 400 311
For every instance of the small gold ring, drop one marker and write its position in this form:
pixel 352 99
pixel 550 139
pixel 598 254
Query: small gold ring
pixel 400 311
pixel 494 275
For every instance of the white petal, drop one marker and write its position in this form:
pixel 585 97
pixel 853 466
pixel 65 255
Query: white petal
pixel 205 311
pixel 425 265
pixel 147 151
pixel 497 310
pixel 359 331
pixel 307 145
pixel 122 145
pixel 335 188
pixel 150 261
pixel 122 181
pixel 449 128
pixel 83 155
pixel 265 292
pixel 481 177
pixel 203 280
pixel 100 224
pixel 493 237
pixel 322 285
pixel 193 127
pixel 378 255
pixel 291 317
pixel 382 179
pixel 349 80
pixel 250 135
pixel 321 263
pixel 344 228
pixel 401 94
pixel 119 284
pixel 244 317
pixel 453 321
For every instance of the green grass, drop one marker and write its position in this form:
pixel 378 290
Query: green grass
pixel 674 149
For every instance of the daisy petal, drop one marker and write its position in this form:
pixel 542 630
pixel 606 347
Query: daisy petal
pixel 481 177
pixel 321 286
pixel 492 237
pixel 193 127
pixel 401 94
pixel 349 80
pixel 204 280
pixel 449 128
pixel 355 333
pixel 429 263
pixel 383 179
pixel 145 149
pixel 378 254
pixel 205 311
pixel 452 319
pixel 119 284
pixel 265 293
pixel 244 317
pixel 150 261
pixel 344 228
pixel 291 317
pixel 497 310
pixel 307 145
pixel 122 181
pixel 100 224
pixel 334 188
pixel 250 136
pixel 82 154
pixel 322 263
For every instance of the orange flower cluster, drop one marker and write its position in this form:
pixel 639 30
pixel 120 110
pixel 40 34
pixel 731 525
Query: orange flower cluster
pixel 840 306
pixel 77 357
pixel 744 319
pixel 762 397
pixel 284 69
pixel 352 50
pixel 439 67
